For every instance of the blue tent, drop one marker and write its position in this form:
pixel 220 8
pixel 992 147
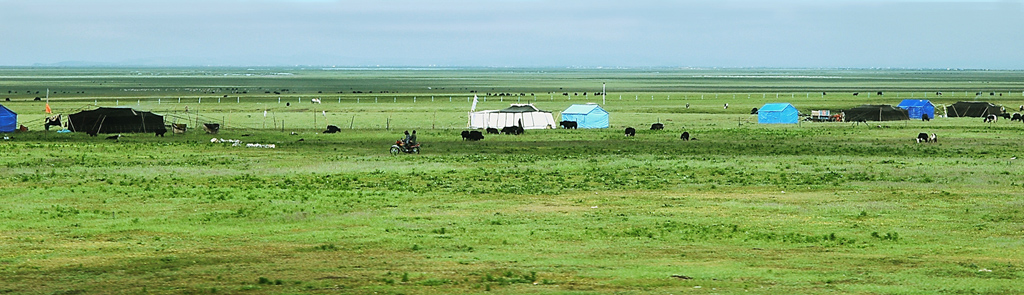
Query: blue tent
pixel 586 115
pixel 916 108
pixel 8 120
pixel 777 113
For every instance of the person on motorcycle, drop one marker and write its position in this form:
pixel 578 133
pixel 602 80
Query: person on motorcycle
pixel 405 140
pixel 412 138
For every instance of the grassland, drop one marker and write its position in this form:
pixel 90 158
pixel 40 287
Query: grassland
pixel 746 208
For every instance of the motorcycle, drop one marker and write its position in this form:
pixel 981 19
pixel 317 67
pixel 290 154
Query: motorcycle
pixel 400 147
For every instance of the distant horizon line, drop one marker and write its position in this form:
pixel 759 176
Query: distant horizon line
pixel 377 67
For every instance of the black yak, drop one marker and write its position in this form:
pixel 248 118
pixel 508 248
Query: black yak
pixel 514 130
pixel 332 129
pixel 472 135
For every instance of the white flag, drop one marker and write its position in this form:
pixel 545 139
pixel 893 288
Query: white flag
pixel 473 108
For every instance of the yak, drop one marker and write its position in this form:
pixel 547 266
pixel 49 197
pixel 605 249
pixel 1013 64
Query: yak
pixel 514 130
pixel 472 135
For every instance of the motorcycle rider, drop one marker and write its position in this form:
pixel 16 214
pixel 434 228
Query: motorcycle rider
pixel 412 138
pixel 405 140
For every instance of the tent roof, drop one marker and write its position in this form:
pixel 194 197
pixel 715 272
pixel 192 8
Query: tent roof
pixel 774 107
pixel 521 108
pixel 873 107
pixel 914 102
pixel 582 109
pixel 975 103
pixel 4 109
pixel 114 111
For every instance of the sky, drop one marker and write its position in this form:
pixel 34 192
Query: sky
pixel 936 34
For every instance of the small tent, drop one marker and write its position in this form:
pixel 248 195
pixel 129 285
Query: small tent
pixel 918 108
pixel 526 114
pixel 8 120
pixel 588 115
pixel 115 120
pixel 875 113
pixel 973 109
pixel 778 113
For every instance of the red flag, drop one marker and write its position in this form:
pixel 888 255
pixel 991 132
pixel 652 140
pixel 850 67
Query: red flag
pixel 48 108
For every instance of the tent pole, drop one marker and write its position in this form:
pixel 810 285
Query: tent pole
pixel 101 124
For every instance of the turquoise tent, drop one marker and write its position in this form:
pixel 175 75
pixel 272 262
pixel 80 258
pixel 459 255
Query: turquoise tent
pixel 917 108
pixel 777 113
pixel 8 120
pixel 586 115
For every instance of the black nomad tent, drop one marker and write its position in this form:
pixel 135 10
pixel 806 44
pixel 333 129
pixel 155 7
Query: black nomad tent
pixel 882 112
pixel 116 120
pixel 973 109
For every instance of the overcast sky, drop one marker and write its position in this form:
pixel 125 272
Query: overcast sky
pixel 520 33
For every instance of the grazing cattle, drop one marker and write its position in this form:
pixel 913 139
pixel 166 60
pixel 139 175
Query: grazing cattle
pixel 856 93
pixel 924 117
pixel 726 106
pixel 753 111
pixel 314 100
pixel 657 126
pixel 933 138
pixel 879 93
pixel 922 137
pixel 513 130
pixel 114 137
pixel 568 124
pixel 685 136
pixel 1005 116
pixel 332 129
pixel 1016 117
pixel 630 131
pixel 688 106
pixel 1022 108
pixel 492 130
pixel 472 135
pixel 160 132
pixel 938 93
pixel 991 119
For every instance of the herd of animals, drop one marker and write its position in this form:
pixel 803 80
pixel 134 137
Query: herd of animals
pixel 474 135
pixel 1014 117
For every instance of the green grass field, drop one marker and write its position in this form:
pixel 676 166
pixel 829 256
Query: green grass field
pixel 746 208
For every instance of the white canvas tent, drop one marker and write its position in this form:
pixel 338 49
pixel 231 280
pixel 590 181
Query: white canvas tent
pixel 531 117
